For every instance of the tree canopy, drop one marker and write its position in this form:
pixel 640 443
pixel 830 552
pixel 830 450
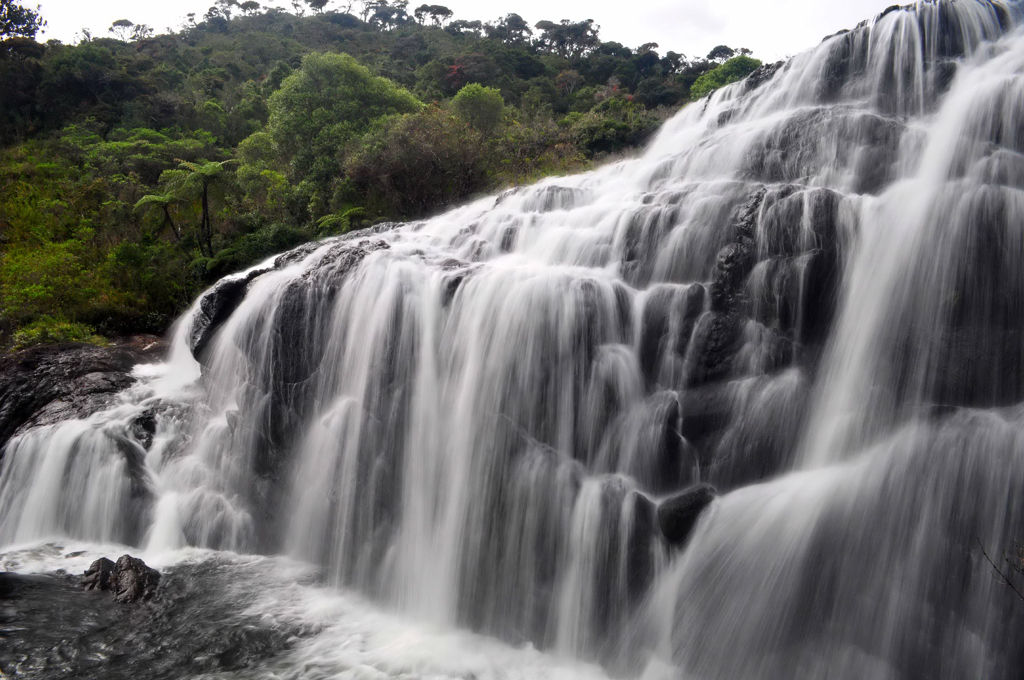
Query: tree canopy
pixel 136 168
pixel 18 20
pixel 329 100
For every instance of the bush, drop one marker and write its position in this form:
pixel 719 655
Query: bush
pixel 49 330
pixel 328 101
pixel 418 162
pixel 732 71
pixel 529 152
pixel 46 280
pixel 250 249
pixel 479 106
pixel 612 126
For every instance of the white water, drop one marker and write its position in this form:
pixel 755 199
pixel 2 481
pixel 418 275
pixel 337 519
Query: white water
pixel 470 418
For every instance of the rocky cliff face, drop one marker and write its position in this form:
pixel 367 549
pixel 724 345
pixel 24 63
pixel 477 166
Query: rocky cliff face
pixel 47 384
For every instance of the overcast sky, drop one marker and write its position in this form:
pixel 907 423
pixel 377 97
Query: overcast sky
pixel 773 29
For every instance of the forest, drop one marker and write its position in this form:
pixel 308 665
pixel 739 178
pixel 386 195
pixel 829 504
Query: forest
pixel 136 168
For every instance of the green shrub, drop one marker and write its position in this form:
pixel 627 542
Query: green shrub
pixel 732 71
pixel 49 330
pixel 253 248
pixel 45 280
pixel 612 126
pixel 418 162
pixel 328 101
pixel 480 107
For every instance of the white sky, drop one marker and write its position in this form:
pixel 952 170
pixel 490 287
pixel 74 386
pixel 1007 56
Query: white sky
pixel 772 28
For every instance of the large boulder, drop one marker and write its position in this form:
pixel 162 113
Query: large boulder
pixel 215 307
pixel 49 383
pixel 130 579
pixel 678 515
pixel 97 576
pixel 133 580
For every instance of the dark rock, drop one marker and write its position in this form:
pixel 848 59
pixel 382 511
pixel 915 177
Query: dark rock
pixel 734 264
pixel 132 580
pixel 50 383
pixel 762 74
pixel 981 367
pixel 199 625
pixel 706 411
pixel 639 556
pixel 553 197
pixel 736 259
pixel 220 302
pixel 678 515
pixel 97 576
pixel 215 307
pixel 143 428
pixel 716 339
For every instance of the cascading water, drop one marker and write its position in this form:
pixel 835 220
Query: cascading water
pixel 808 292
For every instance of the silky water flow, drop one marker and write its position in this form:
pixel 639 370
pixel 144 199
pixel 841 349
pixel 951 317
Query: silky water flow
pixel 807 292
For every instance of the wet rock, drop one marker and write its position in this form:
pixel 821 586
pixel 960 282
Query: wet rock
pixel 215 308
pixel 678 515
pixel 219 303
pixel 762 74
pixel 716 339
pixel 46 384
pixel 129 579
pixel 199 625
pixel 554 197
pixel 639 556
pixel 734 264
pixel 706 411
pixel 143 428
pixel 97 576
pixel 981 367
pixel 133 580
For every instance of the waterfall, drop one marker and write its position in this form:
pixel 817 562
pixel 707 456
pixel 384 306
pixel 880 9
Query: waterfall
pixel 807 292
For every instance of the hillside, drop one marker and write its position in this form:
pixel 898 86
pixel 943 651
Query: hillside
pixel 137 168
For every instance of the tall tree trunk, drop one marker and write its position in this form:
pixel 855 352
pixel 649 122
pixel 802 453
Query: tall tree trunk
pixel 170 222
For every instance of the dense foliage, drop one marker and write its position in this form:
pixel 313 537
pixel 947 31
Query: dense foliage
pixel 136 169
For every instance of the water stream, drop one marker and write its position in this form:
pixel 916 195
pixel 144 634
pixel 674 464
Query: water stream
pixel 808 292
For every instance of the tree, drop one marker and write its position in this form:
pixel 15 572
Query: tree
pixel 225 7
pixel 141 32
pixel 721 54
pixel 673 62
pixel 471 68
pixel 438 14
pixel 46 280
pixel 480 107
pixel 511 29
pixel 569 40
pixel 734 70
pixel 16 20
pixel 461 27
pixel 383 9
pixel 122 29
pixel 191 182
pixel 250 7
pixel 388 16
pixel 419 162
pixel 319 108
pixel 317 5
pixel 164 203
pixel 568 82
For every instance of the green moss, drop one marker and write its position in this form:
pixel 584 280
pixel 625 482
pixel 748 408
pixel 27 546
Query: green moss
pixel 48 330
